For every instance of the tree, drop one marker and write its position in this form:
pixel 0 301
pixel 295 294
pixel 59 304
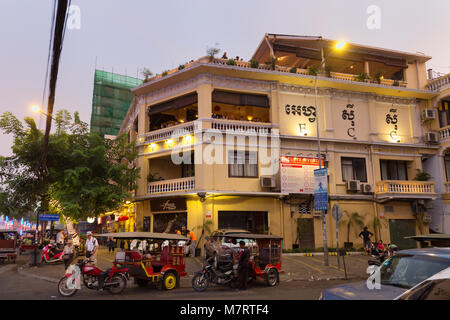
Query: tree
pixel 377 224
pixel 146 73
pixel 212 52
pixel 206 227
pixel 87 175
pixel 354 219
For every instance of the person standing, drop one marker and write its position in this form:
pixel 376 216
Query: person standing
pixel 193 240
pixel 366 234
pixel 111 244
pixel 60 239
pixel 244 257
pixel 91 248
pixel 68 253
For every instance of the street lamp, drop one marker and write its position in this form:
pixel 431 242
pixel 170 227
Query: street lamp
pixel 340 45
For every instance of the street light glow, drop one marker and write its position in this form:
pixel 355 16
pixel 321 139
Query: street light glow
pixel 341 45
pixel 36 109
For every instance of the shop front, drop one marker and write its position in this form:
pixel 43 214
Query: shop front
pixel 169 215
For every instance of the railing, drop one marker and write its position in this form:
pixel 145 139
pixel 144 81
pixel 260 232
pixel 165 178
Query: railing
pixel 167 133
pixel 246 127
pixel 444 134
pixel 447 187
pixel 438 83
pixel 404 187
pixel 183 184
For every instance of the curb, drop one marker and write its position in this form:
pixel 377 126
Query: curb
pixel 7 268
pixel 312 254
pixel 31 275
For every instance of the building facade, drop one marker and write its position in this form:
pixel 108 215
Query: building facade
pixel 236 143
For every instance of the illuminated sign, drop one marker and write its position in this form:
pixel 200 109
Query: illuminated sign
pixel 297 174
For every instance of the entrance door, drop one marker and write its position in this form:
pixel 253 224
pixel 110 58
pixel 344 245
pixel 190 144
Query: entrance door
pixel 305 233
pixel 169 222
pixel 253 221
pixel 401 228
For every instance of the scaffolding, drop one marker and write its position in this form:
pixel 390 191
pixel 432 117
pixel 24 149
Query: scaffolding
pixel 110 101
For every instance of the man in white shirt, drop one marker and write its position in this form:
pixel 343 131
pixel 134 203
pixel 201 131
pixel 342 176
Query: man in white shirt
pixel 91 247
pixel 60 239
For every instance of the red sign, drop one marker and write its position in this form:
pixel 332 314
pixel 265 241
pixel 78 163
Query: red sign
pixel 300 161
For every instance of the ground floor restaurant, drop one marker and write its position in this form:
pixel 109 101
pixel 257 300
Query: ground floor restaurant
pixel 290 217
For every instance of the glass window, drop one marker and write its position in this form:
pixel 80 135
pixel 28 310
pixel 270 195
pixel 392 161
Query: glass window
pixel 354 169
pixel 430 290
pixel 406 271
pixel 242 164
pixel 393 170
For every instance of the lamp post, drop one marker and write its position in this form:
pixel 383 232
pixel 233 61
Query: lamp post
pixel 338 46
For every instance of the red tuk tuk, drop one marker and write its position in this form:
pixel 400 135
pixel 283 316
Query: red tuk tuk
pixel 8 245
pixel 159 260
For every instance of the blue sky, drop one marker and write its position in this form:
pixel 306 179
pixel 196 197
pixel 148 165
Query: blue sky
pixel 125 36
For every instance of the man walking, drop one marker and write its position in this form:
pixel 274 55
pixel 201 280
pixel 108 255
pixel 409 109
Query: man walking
pixel 60 239
pixel 244 256
pixel 91 248
pixel 366 234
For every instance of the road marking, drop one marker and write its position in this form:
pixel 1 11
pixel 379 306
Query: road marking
pixel 304 263
pixel 329 265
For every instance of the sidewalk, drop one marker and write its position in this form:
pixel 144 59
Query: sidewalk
pixel 296 267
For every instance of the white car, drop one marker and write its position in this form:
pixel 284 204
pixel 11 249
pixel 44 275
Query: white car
pixel 436 287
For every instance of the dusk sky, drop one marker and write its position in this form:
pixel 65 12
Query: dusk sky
pixel 124 36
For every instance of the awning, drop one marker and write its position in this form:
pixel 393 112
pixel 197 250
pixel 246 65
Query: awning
pixel 173 104
pixel 143 235
pixel 240 99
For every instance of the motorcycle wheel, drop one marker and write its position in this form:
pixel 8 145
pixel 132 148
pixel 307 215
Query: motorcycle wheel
pixel 271 277
pixel 120 286
pixel 88 284
pixel 200 282
pixel 63 290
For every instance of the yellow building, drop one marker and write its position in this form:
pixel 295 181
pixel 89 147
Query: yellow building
pixel 236 143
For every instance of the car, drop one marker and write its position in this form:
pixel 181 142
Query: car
pixel 220 247
pixel 436 287
pixel 398 274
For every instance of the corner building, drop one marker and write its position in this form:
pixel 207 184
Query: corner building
pixel 373 134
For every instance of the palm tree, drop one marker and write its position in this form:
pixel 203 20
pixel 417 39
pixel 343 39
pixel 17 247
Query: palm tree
pixel 206 227
pixel 353 219
pixel 377 224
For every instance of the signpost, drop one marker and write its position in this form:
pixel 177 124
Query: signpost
pixel 49 217
pixel 337 215
pixel 321 203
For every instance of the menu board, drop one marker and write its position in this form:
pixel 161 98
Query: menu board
pixel 297 174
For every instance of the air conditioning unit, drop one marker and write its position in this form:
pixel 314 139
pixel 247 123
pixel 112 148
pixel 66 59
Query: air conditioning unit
pixel 427 218
pixel 367 188
pixel 432 137
pixel 353 185
pixel 267 182
pixel 428 114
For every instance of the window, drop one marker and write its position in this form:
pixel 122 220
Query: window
pixel 393 170
pixel 242 164
pixel 447 166
pixel 354 169
pixel 444 113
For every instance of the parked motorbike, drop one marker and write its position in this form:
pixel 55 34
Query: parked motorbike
pixel 52 254
pixel 222 275
pixel 379 260
pixel 114 279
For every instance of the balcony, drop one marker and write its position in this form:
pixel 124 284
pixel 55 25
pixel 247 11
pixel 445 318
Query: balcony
pixel 241 127
pixel 167 133
pixel 444 134
pixel 173 185
pixel 439 83
pixel 405 189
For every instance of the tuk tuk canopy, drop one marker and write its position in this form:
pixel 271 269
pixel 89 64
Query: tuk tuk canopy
pixel 143 235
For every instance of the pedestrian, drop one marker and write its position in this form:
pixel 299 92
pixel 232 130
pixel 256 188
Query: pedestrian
pixel 224 56
pixel 91 248
pixel 193 240
pixel 244 257
pixel 68 253
pixel 366 234
pixel 60 239
pixel 111 244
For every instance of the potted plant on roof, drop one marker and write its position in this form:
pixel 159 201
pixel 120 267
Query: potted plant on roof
pixel 312 71
pixel 146 73
pixel 231 62
pixel 254 64
pixel 293 70
pixel 379 76
pixel 354 220
pixel 211 52
pixel 362 77
pixel 422 176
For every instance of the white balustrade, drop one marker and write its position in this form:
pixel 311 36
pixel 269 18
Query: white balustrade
pixel 182 184
pixel 438 83
pixel 167 133
pixel 444 134
pixel 246 127
pixel 404 187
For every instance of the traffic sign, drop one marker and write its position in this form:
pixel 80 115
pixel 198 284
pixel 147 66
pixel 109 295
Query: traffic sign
pixel 49 217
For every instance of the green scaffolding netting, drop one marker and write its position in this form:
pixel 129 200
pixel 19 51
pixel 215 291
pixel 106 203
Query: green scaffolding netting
pixel 110 101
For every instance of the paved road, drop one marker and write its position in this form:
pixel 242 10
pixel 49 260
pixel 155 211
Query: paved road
pixel 295 284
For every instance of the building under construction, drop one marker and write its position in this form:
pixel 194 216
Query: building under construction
pixel 110 101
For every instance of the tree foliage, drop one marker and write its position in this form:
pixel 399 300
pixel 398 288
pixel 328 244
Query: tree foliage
pixel 87 175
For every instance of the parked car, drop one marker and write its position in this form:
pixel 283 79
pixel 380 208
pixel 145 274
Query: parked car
pixel 436 287
pixel 220 246
pixel 398 274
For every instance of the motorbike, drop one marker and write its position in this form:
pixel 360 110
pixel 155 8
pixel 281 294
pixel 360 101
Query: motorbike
pixel 51 253
pixel 114 279
pixel 379 260
pixel 222 275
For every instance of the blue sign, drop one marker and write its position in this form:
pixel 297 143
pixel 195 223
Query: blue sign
pixel 320 189
pixel 49 217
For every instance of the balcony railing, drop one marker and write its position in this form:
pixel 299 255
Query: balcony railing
pixel 437 84
pixel 246 127
pixel 182 184
pixel 405 187
pixel 167 133
pixel 444 134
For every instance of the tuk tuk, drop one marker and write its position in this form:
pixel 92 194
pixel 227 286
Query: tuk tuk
pixel 265 255
pixel 158 259
pixel 27 241
pixel 8 245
